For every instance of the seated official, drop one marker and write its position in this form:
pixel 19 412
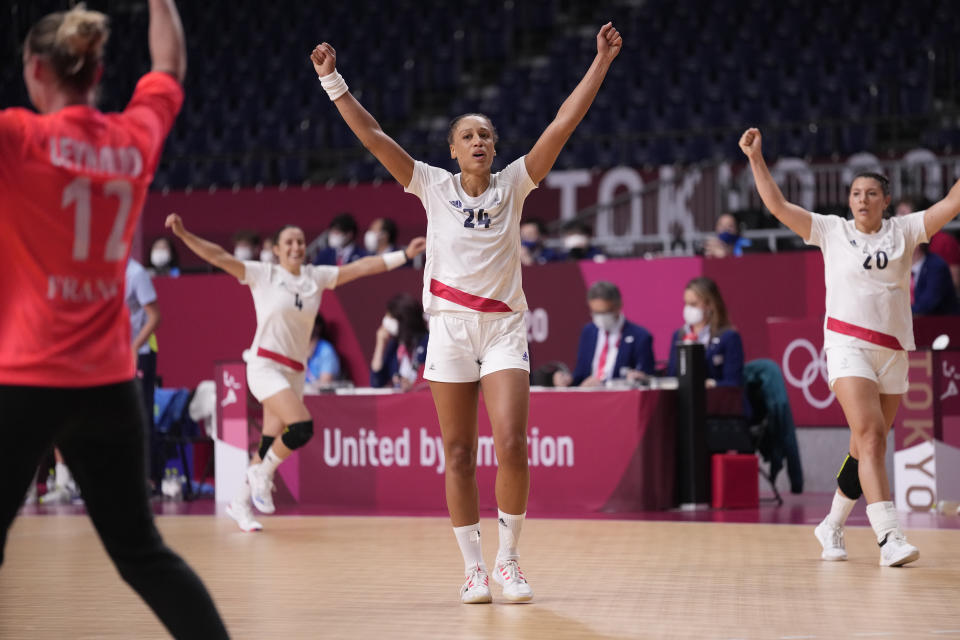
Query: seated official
pixel 611 346
pixel 932 285
pixel 323 365
pixel 705 321
pixel 401 347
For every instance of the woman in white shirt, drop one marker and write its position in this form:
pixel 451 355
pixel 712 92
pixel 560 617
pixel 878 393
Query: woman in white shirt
pixel 473 294
pixel 868 330
pixel 286 296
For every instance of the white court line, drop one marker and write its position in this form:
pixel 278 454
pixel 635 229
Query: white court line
pixel 945 631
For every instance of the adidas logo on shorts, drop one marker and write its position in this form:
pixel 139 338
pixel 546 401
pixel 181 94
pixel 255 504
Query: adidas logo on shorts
pixel 524 357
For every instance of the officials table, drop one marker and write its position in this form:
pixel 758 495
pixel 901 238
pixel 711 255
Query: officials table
pixel 589 451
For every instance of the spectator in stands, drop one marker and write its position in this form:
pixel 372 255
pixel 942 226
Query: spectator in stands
pixel 727 241
pixel 266 251
pixel 611 346
pixel 576 242
pixel 552 374
pixel 532 251
pixel 245 243
pixel 380 237
pixel 401 346
pixel 341 242
pixel 164 260
pixel 705 321
pixel 932 289
pixel 323 364
pixel 141 299
pixel 942 244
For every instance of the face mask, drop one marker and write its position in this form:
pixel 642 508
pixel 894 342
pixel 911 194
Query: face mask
pixel 392 325
pixel 692 315
pixel 728 237
pixel 530 245
pixel 576 241
pixel 243 253
pixel 336 239
pixel 160 258
pixel 266 256
pixel 606 321
pixel 371 241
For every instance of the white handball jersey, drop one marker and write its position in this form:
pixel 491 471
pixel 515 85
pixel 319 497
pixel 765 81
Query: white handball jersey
pixel 473 244
pixel 868 280
pixel 286 306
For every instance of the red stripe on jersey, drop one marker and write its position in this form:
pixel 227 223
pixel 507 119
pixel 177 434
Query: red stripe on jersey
pixel 279 357
pixel 869 335
pixel 465 299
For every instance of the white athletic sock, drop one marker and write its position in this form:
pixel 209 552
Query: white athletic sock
pixel 468 538
pixel 62 475
pixel 270 463
pixel 883 518
pixel 243 494
pixel 840 509
pixel 509 526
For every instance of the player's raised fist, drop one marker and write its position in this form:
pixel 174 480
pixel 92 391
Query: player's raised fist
pixel 750 142
pixel 609 41
pixel 174 223
pixel 324 59
pixel 416 247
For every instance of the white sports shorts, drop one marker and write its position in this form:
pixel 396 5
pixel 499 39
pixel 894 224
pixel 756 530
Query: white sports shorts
pixel 465 347
pixel 886 367
pixel 266 377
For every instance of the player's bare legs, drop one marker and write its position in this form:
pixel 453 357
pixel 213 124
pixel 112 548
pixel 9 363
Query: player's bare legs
pixel 506 395
pixel 456 405
pixel 870 415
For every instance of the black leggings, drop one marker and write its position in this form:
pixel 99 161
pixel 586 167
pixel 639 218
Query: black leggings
pixel 100 432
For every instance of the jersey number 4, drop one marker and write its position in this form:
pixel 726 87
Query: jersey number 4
pixel 483 219
pixel 77 193
pixel 881 260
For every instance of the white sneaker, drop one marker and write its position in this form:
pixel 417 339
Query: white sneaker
pixel 243 514
pixel 507 574
pixel 831 539
pixel 260 489
pixel 476 589
pixel 896 551
pixel 59 495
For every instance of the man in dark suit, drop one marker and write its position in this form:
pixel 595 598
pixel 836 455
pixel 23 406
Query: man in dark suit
pixel 933 292
pixel 611 346
pixel 341 242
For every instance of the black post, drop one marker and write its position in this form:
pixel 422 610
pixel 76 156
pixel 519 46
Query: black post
pixel 693 478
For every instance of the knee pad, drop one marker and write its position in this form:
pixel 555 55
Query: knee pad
pixel 849 478
pixel 297 434
pixel 265 443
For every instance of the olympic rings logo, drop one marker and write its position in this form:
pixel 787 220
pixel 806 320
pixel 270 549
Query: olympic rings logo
pixel 816 368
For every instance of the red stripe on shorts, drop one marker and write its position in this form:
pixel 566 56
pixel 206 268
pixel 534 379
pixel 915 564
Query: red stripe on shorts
pixel 871 336
pixel 278 357
pixel 465 299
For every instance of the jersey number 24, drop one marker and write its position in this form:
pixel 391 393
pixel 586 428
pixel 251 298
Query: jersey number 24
pixel 483 219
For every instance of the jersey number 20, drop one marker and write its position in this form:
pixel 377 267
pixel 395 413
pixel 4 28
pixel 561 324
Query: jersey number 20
pixel 77 193
pixel 882 260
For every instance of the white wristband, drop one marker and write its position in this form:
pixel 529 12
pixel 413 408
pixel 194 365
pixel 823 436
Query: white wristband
pixel 394 259
pixel 334 85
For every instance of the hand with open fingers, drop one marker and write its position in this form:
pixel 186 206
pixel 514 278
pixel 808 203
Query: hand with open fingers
pixel 750 142
pixel 175 224
pixel 416 247
pixel 609 42
pixel 324 59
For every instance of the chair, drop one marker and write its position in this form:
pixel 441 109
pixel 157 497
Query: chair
pixel 175 427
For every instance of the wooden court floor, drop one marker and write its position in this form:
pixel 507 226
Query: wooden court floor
pixel 365 577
